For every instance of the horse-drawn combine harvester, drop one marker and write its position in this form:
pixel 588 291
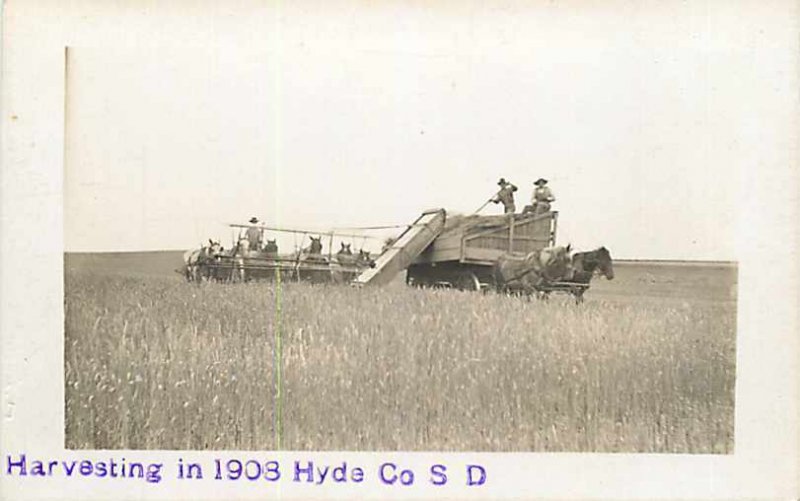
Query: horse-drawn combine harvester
pixel 245 262
pixel 502 252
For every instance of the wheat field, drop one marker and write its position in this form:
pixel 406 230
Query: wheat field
pixel 156 363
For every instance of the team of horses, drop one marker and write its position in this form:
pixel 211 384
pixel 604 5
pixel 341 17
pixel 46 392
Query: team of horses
pixel 552 269
pixel 247 260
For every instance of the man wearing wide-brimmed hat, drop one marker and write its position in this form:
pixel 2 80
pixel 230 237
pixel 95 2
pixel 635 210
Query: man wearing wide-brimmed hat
pixel 506 196
pixel 254 235
pixel 542 197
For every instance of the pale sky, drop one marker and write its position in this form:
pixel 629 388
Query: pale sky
pixel 646 125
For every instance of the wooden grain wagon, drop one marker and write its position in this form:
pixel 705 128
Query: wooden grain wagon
pixel 460 251
pixel 465 253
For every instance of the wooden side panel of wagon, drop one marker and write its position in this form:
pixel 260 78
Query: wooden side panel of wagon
pixel 465 252
pixel 484 239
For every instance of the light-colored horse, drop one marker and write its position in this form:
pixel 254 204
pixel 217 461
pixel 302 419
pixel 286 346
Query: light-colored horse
pixel 196 261
pixel 527 274
pixel 238 254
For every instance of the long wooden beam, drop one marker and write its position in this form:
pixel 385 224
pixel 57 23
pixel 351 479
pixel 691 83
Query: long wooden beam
pixel 302 232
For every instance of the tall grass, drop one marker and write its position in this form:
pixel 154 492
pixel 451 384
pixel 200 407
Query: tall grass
pixel 162 364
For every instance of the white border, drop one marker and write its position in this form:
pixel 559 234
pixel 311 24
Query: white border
pixel 765 462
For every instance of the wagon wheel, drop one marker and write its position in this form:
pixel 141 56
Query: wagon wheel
pixel 468 281
pixel 420 277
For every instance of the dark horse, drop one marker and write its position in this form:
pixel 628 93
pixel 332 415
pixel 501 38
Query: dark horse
pixel 586 264
pixel 271 248
pixel 315 249
pixel 312 253
pixel 345 255
pixel 364 260
pixel 584 267
pixel 348 265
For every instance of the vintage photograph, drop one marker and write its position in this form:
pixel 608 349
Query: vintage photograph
pixel 405 233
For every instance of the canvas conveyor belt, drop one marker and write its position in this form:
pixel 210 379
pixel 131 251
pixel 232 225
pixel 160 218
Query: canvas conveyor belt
pixel 410 244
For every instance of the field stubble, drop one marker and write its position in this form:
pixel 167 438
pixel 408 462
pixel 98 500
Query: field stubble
pixel 157 363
